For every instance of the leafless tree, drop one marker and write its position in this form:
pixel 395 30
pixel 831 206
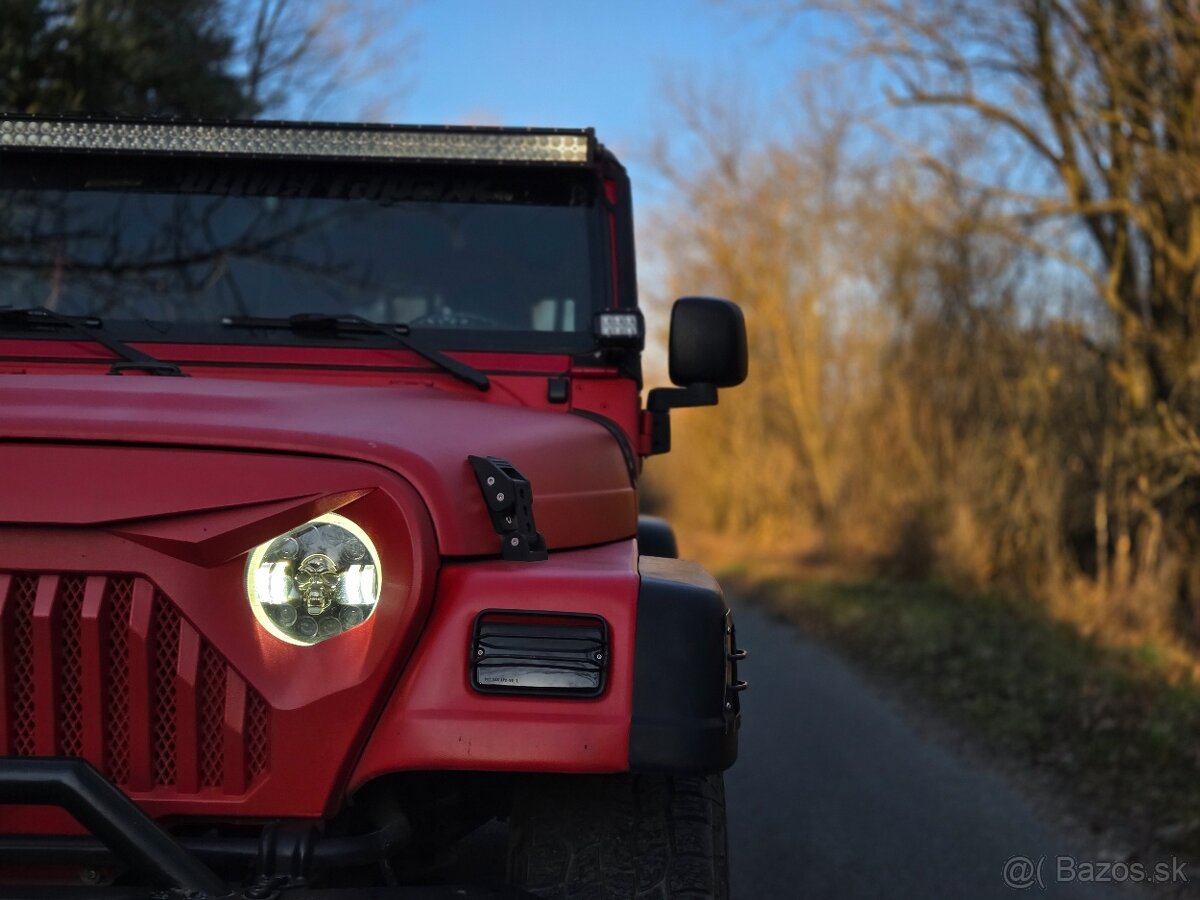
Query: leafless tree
pixel 297 54
pixel 1100 102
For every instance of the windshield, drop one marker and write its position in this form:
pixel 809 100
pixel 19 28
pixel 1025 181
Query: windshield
pixel 453 253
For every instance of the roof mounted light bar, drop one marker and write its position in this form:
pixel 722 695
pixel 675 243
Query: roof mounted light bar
pixel 281 139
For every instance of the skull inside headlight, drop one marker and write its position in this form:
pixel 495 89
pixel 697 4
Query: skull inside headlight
pixel 315 581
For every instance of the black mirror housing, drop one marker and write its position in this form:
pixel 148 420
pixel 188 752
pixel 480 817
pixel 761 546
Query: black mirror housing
pixel 707 351
pixel 707 343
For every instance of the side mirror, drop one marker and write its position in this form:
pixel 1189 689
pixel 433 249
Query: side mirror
pixel 707 351
pixel 707 343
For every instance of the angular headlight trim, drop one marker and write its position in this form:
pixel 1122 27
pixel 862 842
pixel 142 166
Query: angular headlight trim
pixel 315 581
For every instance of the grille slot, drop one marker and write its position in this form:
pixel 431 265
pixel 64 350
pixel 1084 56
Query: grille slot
pixel 164 712
pixel 18 615
pixel 118 595
pixel 106 668
pixel 212 715
pixel 69 603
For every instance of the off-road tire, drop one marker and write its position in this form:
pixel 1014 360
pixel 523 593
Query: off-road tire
pixel 616 837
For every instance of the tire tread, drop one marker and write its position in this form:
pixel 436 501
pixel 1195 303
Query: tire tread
pixel 620 836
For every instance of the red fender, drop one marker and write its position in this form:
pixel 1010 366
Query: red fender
pixel 435 720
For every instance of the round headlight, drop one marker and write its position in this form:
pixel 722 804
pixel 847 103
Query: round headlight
pixel 315 581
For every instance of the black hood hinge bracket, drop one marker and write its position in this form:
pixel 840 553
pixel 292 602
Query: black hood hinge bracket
pixel 509 499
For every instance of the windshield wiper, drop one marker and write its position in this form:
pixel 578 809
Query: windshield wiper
pixel 322 324
pixel 88 326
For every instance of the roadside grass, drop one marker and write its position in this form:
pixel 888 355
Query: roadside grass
pixel 1117 727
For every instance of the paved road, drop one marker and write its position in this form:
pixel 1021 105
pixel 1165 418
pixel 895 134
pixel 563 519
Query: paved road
pixel 835 796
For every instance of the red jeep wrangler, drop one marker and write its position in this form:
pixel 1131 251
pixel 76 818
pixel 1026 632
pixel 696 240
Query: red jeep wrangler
pixel 347 561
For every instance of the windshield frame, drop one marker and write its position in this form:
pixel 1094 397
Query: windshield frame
pixel 68 171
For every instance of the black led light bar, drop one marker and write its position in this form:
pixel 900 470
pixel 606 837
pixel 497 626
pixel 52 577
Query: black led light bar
pixel 285 139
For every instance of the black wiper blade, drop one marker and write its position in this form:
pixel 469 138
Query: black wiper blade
pixel 88 327
pixel 319 323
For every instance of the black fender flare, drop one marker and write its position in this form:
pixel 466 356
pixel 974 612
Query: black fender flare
pixel 686 705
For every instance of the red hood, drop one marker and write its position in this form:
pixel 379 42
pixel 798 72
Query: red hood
pixel 582 489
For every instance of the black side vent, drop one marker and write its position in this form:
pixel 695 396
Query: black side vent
pixel 549 654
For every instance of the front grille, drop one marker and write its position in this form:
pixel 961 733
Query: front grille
pixel 106 668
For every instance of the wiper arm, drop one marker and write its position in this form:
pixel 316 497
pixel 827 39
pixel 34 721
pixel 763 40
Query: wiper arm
pixel 88 327
pixel 319 324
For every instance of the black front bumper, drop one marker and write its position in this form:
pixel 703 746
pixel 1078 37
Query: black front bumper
pixel 162 867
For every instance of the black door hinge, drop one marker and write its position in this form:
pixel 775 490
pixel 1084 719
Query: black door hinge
pixel 509 500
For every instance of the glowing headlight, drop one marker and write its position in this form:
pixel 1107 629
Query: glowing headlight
pixel 314 582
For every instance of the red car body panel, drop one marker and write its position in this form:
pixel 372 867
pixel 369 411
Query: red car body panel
pixel 422 432
pixel 435 720
pixel 517 378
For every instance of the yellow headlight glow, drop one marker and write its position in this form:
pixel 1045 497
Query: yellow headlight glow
pixel 315 581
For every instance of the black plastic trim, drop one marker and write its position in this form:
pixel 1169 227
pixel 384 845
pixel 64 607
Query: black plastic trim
pixel 684 720
pixel 656 537
pixel 660 402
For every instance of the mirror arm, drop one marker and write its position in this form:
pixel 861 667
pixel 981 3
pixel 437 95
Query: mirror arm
pixel 661 401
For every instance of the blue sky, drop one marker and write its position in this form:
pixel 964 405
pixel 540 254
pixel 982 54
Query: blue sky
pixel 573 64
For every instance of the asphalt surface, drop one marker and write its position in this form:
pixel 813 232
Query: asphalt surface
pixel 834 795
